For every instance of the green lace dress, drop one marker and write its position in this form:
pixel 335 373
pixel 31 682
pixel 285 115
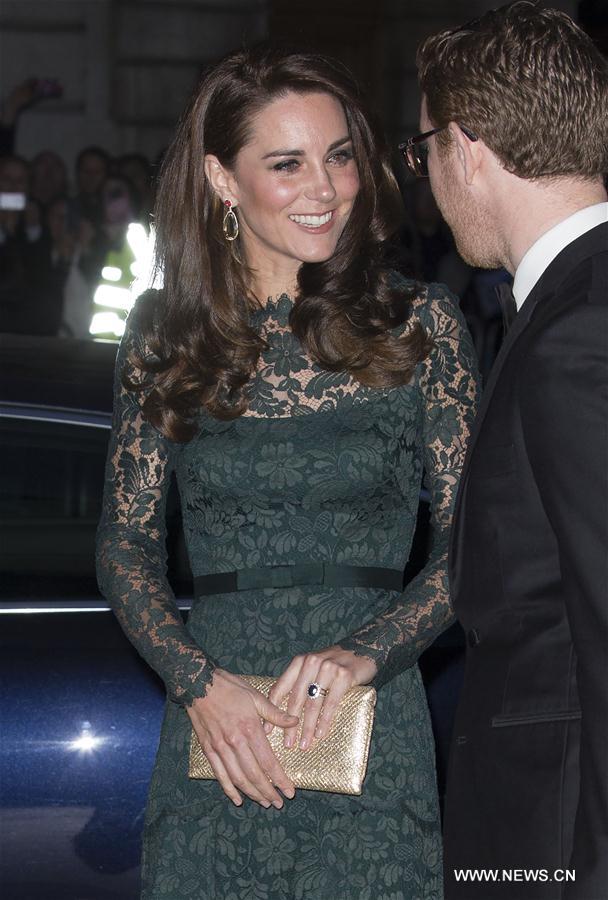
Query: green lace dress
pixel 319 469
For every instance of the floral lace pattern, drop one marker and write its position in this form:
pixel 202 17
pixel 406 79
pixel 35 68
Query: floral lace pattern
pixel 287 382
pixel 219 496
pixel 319 469
pixel 131 539
pixel 450 388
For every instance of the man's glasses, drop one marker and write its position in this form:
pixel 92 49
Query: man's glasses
pixel 416 151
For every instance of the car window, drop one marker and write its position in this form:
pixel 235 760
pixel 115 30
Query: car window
pixel 51 485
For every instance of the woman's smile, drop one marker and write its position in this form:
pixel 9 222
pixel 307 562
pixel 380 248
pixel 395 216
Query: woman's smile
pixel 313 222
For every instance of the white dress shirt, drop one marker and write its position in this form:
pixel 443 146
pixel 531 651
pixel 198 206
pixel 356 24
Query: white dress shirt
pixel 550 244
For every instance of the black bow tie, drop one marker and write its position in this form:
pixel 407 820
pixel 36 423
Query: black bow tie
pixel 507 304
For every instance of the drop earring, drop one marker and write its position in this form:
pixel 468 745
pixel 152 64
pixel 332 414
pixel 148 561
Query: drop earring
pixel 230 225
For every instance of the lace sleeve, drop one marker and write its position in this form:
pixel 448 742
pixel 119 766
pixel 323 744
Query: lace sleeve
pixel 449 385
pixel 131 552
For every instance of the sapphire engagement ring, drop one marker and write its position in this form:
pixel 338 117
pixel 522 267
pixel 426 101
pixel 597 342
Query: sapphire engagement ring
pixel 315 691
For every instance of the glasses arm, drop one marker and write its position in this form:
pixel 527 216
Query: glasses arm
pixel 419 138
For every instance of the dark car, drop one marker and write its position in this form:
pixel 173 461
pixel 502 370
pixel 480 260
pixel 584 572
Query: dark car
pixel 80 711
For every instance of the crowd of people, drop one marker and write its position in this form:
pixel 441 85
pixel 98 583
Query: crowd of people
pixel 56 235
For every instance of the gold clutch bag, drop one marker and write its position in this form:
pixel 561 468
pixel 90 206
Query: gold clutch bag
pixel 337 763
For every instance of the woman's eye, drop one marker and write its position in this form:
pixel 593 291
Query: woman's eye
pixel 286 165
pixel 341 157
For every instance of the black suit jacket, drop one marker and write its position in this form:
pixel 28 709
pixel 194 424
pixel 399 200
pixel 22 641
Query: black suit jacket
pixel 528 776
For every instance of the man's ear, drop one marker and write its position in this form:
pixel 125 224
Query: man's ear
pixel 468 153
pixel 221 180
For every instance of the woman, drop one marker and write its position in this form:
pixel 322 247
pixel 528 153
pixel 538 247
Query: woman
pixel 297 388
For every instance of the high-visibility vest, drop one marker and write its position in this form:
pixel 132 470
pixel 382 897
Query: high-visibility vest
pixel 120 282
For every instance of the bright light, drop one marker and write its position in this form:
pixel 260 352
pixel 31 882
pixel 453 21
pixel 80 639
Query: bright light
pixel 137 240
pixel 142 245
pixel 107 323
pixel 114 297
pixel 111 273
pixel 86 743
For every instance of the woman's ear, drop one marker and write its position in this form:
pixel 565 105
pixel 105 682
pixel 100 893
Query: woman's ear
pixel 221 180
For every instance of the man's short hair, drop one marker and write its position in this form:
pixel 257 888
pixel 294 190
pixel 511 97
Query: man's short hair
pixel 528 82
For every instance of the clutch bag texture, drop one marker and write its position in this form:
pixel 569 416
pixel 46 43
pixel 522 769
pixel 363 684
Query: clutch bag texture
pixel 337 763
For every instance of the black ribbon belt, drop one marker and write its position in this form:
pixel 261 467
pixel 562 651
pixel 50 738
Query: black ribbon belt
pixel 299 574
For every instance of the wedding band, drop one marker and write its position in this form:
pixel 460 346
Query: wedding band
pixel 315 691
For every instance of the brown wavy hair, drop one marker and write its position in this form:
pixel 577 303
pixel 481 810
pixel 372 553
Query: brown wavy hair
pixel 529 82
pixel 200 347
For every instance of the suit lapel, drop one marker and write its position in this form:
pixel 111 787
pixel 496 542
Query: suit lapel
pixel 521 320
pixel 594 241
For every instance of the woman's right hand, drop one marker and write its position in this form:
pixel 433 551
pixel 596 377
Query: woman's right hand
pixel 228 724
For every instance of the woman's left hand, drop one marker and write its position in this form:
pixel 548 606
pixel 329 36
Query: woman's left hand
pixel 335 671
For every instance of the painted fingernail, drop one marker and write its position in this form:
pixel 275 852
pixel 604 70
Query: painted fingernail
pixel 288 742
pixel 290 793
pixel 304 744
pixel 266 804
pixel 278 804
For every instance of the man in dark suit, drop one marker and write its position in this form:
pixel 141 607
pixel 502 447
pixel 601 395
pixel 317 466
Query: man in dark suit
pixel 517 107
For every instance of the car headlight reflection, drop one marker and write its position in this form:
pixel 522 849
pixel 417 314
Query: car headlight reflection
pixel 86 742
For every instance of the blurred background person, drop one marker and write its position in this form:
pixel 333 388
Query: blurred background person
pixel 104 264
pixel 48 178
pixel 20 245
pixel 138 170
pixel 92 168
